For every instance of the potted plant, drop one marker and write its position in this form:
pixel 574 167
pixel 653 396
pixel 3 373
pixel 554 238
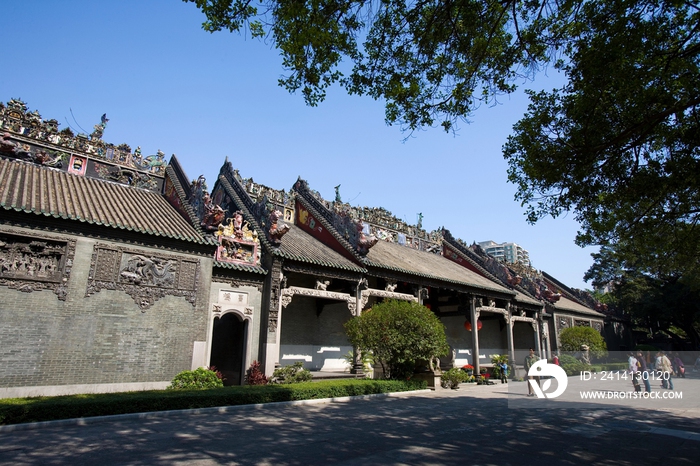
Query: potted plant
pixel 452 378
pixel 469 369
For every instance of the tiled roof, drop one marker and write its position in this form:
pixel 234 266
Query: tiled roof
pixel 301 246
pixel 318 215
pixel 475 261
pixel 523 298
pixel 240 267
pixel 39 190
pixel 399 258
pixel 565 304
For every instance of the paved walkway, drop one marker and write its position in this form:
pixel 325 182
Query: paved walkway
pixel 471 425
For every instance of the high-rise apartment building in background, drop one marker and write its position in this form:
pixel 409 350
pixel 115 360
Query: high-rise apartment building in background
pixel 506 252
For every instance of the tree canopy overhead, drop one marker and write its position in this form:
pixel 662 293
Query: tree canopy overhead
pixel 618 144
pixel 432 61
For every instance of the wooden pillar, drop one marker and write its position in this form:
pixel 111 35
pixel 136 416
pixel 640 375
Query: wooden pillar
pixel 538 341
pixel 475 335
pixel 511 344
pixel 358 367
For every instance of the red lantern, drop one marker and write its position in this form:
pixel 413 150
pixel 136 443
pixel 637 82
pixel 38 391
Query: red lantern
pixel 468 325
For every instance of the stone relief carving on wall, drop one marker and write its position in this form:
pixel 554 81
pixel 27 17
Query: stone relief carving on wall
pixel 563 322
pixel 146 278
pixel 28 264
pixel 275 284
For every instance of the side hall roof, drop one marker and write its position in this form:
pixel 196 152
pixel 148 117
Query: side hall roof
pixel 406 260
pixel 300 246
pixel 40 190
pixel 567 305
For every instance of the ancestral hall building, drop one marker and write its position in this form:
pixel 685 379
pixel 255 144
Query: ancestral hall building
pixel 117 272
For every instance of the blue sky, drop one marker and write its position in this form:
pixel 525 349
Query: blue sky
pixel 166 84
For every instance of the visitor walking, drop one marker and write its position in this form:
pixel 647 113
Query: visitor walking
pixel 678 366
pixel 503 366
pixel 644 371
pixel 633 368
pixel 530 360
pixel 664 365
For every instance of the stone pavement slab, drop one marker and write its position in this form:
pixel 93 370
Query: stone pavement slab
pixel 470 425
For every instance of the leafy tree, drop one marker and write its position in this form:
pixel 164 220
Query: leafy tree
pixel 572 338
pixel 653 296
pixel 618 144
pixel 398 333
pixel 432 61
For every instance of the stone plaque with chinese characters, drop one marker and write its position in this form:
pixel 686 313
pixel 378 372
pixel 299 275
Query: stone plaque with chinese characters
pixel 233 297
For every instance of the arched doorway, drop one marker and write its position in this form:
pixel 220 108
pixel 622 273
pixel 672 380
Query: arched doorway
pixel 228 347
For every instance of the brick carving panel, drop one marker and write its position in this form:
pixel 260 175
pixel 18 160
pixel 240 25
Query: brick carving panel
pixel 36 263
pixel 144 277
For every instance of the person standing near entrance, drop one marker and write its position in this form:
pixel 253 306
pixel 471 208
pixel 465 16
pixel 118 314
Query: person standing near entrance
pixel 530 360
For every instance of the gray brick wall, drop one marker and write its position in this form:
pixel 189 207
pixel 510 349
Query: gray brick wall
pixel 104 338
pixel 301 325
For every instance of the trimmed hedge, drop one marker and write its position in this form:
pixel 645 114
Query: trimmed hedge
pixel 611 366
pixel 21 410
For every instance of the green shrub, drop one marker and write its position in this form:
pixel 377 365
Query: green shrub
pixel 398 333
pixel 572 338
pixel 573 366
pixel 21 410
pixel 198 379
pixel 610 366
pixel 453 377
pixel 292 374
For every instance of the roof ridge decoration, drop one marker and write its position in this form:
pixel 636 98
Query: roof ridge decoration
pixel 282 200
pixel 237 243
pixel 210 214
pixel 352 231
pixel 177 192
pixel 455 244
pixel 26 136
pixel 518 276
pixel 230 199
pixel 265 212
pixel 580 296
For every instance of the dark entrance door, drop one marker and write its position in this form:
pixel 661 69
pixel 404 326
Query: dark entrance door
pixel 228 347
